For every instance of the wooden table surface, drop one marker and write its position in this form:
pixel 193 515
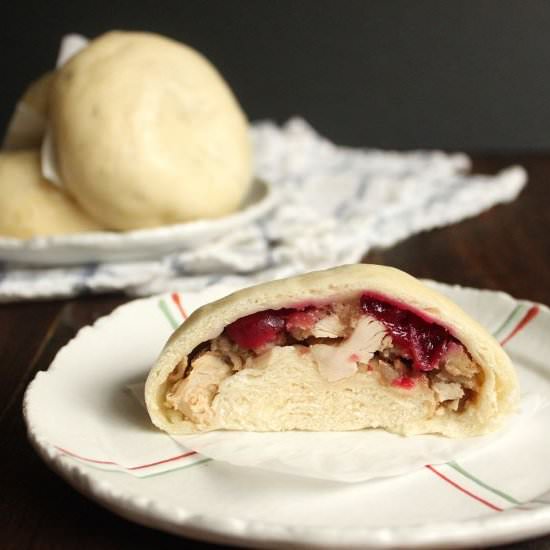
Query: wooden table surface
pixel 506 248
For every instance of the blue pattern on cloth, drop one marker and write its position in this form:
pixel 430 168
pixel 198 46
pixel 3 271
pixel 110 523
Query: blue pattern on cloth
pixel 334 204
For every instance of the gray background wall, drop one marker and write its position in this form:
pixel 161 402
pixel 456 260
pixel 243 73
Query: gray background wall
pixel 472 75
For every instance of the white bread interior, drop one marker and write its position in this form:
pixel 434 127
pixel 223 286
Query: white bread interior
pixel 285 390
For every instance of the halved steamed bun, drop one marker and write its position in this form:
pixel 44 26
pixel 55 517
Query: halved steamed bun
pixel 355 347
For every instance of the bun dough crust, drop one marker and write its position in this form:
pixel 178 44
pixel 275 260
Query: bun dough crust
pixel 27 125
pixel 36 96
pixel 30 206
pixel 148 133
pixel 497 396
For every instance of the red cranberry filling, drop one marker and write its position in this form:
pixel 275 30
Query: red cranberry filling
pixel 423 342
pixel 258 329
pixel 405 382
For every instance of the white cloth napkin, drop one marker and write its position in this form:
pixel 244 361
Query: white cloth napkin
pixel 336 203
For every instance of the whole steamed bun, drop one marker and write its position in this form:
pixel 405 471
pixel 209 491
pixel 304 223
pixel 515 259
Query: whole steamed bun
pixel 148 133
pixel 30 206
pixel 27 125
pixel 36 95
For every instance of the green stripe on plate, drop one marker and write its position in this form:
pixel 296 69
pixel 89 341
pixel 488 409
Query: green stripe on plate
pixel 184 467
pixel 127 472
pixel 471 477
pixel 511 320
pixel 166 312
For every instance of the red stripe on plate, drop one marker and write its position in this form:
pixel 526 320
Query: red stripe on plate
pixel 463 490
pixel 110 463
pixel 176 299
pixel 189 453
pixel 527 318
pixel 93 460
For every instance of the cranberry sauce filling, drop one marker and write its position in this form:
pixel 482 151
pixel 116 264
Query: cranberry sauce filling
pixel 422 341
pixel 405 382
pixel 256 330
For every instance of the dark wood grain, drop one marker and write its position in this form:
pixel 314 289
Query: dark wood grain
pixel 506 248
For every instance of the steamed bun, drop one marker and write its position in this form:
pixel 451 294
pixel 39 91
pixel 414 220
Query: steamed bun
pixel 30 206
pixel 148 133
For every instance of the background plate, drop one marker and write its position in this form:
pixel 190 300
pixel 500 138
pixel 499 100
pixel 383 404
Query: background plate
pixel 85 424
pixel 140 244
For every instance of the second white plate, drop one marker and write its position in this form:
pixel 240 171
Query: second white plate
pixel 142 244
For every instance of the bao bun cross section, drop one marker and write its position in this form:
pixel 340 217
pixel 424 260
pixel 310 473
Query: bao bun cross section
pixel 355 347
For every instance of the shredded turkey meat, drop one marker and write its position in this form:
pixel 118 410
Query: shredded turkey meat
pixel 343 341
pixel 193 394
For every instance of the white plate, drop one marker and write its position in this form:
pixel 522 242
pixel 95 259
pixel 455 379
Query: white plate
pixel 140 244
pixel 86 425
